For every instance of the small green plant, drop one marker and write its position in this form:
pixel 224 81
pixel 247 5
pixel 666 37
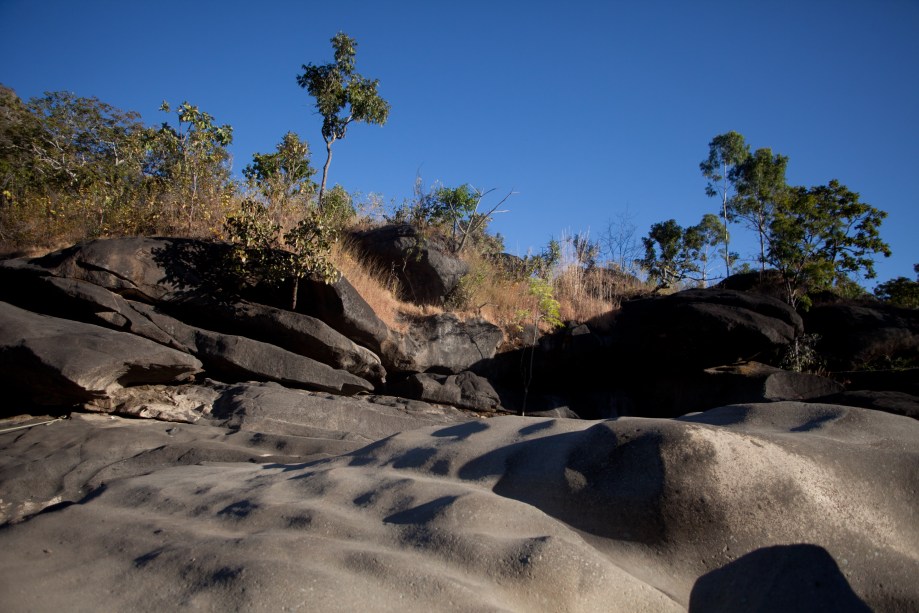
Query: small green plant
pixel 262 253
pixel 547 311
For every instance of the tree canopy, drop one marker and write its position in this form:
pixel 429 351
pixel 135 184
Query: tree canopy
pixel 726 155
pixel 342 96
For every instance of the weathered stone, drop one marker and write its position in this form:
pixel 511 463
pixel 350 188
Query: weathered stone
pixel 444 344
pixel 302 334
pixel 34 289
pixel 51 361
pixel 703 328
pixel 465 390
pixel 141 268
pixel 853 336
pixel 175 403
pixel 898 403
pixel 230 357
pixel 425 265
pixel 342 308
pixel 272 409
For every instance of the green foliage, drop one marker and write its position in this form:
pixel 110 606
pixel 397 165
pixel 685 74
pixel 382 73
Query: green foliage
pixel 726 154
pixel 760 185
pixel 262 253
pixel 667 256
pixel 817 235
pixel 338 209
pixel 342 96
pixel 69 167
pixel 455 212
pixel 674 254
pixel 547 307
pixel 544 263
pixel 285 175
pixel 901 292
pixel 191 164
pixel 700 239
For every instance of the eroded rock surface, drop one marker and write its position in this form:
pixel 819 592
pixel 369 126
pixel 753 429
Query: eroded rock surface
pixel 510 513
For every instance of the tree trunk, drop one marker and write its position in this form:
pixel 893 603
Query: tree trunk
pixel 325 171
pixel 727 251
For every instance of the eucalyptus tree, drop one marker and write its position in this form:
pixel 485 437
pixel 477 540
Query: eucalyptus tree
pixel 342 96
pixel 760 185
pixel 700 239
pixel 726 154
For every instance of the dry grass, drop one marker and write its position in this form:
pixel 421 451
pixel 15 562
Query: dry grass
pixel 378 287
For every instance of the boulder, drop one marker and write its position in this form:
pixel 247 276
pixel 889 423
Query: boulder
pixel 35 289
pixel 444 344
pixel 229 357
pixel 343 309
pixel 702 328
pixel 465 390
pixel 853 336
pixel 425 265
pixel 142 268
pixel 50 361
pixel 295 332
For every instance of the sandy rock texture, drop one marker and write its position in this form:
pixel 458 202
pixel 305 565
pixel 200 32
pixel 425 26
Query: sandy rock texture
pixel 745 507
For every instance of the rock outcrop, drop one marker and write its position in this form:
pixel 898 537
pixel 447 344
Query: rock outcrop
pixel 427 269
pixel 315 458
pixel 445 344
pixel 55 362
pixel 704 328
pixel 874 335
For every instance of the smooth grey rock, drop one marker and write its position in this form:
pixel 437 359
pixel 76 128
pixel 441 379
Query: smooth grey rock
pixel 898 403
pixel 853 336
pixel 343 309
pixel 465 390
pixel 302 334
pixel 35 289
pixel 444 344
pixel 271 408
pixel 237 358
pixel 52 361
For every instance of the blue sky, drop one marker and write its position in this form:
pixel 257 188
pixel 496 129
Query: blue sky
pixel 585 109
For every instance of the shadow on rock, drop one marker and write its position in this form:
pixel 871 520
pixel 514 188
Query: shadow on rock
pixel 784 578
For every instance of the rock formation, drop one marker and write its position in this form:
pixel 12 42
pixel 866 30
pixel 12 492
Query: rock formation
pixel 177 440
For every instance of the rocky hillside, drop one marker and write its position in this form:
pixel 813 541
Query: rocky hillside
pixel 286 454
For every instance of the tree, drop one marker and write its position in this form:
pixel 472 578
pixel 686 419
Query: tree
pixel 68 165
pixel 668 258
pixel 760 185
pixel 285 174
pixel 342 96
pixel 699 239
pixel 262 252
pixel 726 154
pixel 818 235
pixel 901 292
pixel 190 160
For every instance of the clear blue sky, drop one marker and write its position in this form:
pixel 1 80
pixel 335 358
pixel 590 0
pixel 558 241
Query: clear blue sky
pixel 584 108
